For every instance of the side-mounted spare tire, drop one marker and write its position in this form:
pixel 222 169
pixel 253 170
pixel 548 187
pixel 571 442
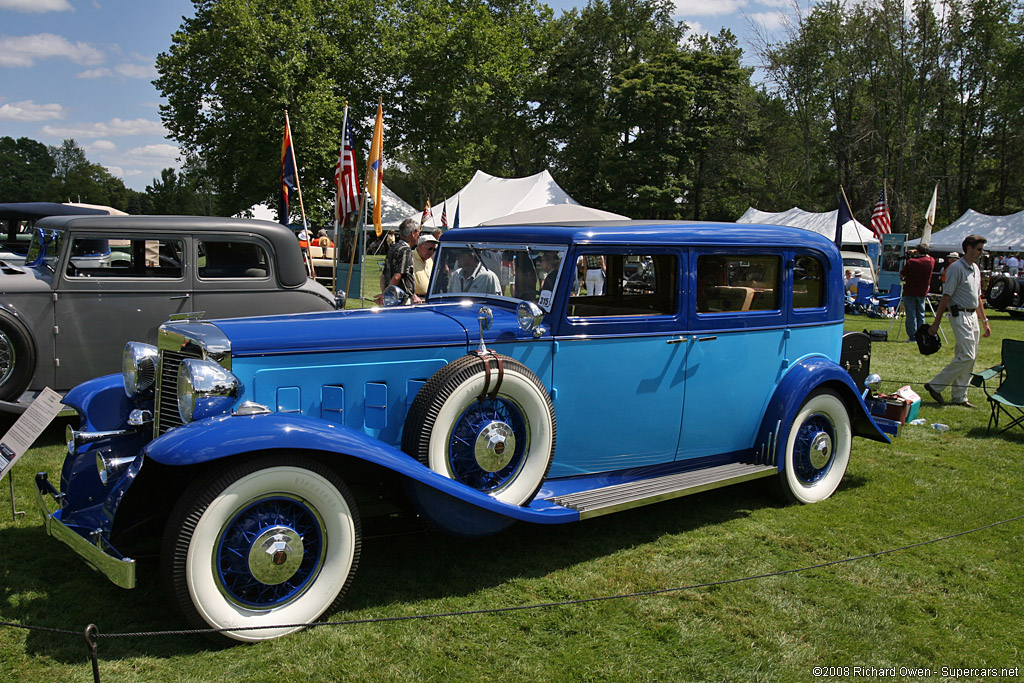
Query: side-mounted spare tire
pixel 1001 291
pixel 17 357
pixel 487 421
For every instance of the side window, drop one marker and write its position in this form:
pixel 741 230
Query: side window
pixel 125 258
pixel 624 285
pixel 808 282
pixel 738 282
pixel 232 259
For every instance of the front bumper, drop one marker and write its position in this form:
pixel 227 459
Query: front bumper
pixel 106 560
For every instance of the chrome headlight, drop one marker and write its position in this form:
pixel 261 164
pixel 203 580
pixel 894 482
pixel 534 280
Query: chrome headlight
pixel 204 389
pixel 530 316
pixel 138 368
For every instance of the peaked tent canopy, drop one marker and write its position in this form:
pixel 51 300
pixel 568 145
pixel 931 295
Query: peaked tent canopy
pixel 394 210
pixel 556 213
pixel 487 197
pixel 1004 233
pixel 822 223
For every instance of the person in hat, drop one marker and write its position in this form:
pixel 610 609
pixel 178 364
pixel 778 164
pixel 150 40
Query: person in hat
pixel 423 263
pixel 854 282
pixel 917 277
pixel 961 296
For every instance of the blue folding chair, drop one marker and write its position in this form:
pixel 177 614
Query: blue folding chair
pixel 864 302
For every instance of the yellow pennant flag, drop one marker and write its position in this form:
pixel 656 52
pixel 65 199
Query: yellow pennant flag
pixel 375 167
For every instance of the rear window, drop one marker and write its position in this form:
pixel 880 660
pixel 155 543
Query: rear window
pixel 729 283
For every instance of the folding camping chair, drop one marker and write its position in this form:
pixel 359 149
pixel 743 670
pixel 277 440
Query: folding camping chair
pixel 1009 396
pixel 863 302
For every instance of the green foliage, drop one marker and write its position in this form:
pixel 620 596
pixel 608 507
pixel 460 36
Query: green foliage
pixel 26 168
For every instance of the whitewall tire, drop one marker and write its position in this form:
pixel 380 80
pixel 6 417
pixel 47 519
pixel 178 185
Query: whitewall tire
pixel 817 449
pixel 269 542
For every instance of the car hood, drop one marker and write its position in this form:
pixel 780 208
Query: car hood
pixel 19 278
pixel 371 328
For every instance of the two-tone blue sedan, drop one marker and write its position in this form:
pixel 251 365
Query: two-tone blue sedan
pixel 556 373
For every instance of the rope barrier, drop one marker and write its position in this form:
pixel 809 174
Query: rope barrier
pixel 92 634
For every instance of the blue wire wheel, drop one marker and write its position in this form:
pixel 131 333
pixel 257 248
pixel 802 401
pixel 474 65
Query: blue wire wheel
pixel 817 449
pixel 490 429
pixel 262 547
pixel 488 444
pixel 270 551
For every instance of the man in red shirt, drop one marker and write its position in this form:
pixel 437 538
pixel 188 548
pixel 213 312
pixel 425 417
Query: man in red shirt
pixel 917 276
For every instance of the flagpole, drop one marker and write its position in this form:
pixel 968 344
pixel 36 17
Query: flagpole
pixel 871 263
pixel 337 202
pixel 298 190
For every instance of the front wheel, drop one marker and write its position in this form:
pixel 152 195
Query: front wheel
pixel 269 542
pixel 817 449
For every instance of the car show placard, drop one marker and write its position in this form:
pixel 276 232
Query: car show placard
pixel 23 433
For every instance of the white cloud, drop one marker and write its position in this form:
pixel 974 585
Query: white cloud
pixel 28 110
pixel 147 71
pixel 36 5
pixel 111 128
pixel 703 8
pixel 101 72
pixel 771 21
pixel 23 51
pixel 162 153
pixel 100 146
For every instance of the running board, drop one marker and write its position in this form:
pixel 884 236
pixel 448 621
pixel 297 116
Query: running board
pixel 597 502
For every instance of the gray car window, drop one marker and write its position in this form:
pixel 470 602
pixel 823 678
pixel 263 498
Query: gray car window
pixel 114 257
pixel 232 259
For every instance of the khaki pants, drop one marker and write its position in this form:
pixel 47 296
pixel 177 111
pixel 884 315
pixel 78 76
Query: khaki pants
pixel 957 375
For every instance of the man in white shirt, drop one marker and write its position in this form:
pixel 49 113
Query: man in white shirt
pixel 1013 265
pixel 472 277
pixel 961 296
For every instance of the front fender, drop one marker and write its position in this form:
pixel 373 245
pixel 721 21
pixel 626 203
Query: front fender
pixel 229 435
pixel 803 379
pixel 101 402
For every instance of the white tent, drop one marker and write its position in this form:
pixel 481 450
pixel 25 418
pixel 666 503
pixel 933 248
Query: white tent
pixel 822 223
pixel 487 197
pixel 394 210
pixel 556 213
pixel 1004 233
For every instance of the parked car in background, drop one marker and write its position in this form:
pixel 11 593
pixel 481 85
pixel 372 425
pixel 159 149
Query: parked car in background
pixel 92 283
pixel 18 219
pixel 855 260
pixel 251 449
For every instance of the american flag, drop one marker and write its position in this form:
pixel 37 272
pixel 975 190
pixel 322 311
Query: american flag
pixel 346 178
pixel 444 215
pixel 880 222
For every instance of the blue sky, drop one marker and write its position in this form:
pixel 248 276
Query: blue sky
pixel 82 69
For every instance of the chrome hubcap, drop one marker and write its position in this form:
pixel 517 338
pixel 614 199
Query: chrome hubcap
pixel 495 446
pixel 821 450
pixel 275 555
pixel 6 358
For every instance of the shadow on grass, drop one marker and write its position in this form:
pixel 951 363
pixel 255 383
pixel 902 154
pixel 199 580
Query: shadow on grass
pixel 50 588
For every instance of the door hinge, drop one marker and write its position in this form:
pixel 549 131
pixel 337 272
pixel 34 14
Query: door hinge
pixel 56 362
pixel 56 330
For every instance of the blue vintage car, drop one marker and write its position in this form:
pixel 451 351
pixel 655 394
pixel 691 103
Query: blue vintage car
pixel 668 358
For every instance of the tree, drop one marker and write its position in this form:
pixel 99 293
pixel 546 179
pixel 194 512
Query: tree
pixel 26 170
pixel 79 180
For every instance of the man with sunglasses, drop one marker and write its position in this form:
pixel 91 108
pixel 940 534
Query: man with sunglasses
pixel 961 296
pixel 423 263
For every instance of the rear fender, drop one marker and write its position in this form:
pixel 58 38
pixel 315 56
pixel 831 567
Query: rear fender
pixel 802 380
pixel 222 437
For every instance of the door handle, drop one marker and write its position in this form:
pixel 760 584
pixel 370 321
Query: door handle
pixel 180 296
pixel 700 339
pixel 677 340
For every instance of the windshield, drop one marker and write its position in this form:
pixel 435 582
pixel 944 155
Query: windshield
pixel 518 272
pixel 44 248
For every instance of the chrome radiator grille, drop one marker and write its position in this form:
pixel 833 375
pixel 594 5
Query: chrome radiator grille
pixel 167 416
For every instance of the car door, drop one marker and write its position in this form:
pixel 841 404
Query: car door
pixel 617 372
pixel 736 350
pixel 111 289
pixel 236 277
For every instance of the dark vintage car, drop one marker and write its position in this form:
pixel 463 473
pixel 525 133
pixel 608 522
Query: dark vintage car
pixel 249 450
pixel 92 283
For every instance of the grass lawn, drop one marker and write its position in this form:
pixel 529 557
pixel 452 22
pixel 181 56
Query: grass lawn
pixel 956 603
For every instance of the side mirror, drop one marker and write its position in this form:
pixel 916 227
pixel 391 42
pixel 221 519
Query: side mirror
pixel 530 316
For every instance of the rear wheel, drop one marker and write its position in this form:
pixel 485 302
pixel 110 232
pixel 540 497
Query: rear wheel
pixel 269 542
pixel 817 449
pixel 1001 291
pixel 17 357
